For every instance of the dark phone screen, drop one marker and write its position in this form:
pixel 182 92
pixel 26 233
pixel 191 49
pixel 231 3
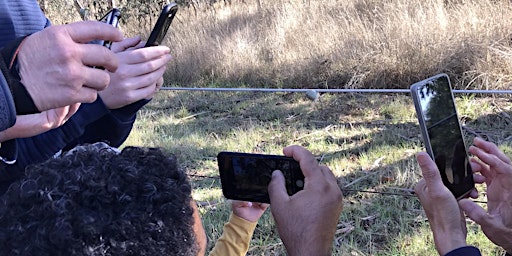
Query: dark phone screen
pixel 444 132
pixel 247 177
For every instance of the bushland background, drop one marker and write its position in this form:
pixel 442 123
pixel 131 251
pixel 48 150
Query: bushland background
pixel 368 140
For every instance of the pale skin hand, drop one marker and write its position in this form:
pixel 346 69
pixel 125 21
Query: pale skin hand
pixel 248 211
pixel 140 73
pixel 496 171
pixel 56 63
pixel 446 220
pixel 306 221
pixel 35 124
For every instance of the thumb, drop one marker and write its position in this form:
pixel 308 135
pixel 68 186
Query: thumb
pixel 430 172
pixel 276 188
pixel 474 212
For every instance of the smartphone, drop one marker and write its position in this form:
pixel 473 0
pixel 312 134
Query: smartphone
pixel 112 18
pixel 246 176
pixel 162 24
pixel 442 133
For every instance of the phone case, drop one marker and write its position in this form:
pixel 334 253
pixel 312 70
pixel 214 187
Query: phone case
pixel 162 25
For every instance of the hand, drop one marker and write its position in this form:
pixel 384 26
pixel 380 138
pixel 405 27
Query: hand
pixel 446 220
pixel 35 124
pixel 306 221
pixel 55 64
pixel 248 211
pixel 496 170
pixel 140 73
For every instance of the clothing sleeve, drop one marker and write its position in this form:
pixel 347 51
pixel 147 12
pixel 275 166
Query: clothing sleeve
pixel 465 251
pixel 112 128
pixel 235 239
pixel 41 147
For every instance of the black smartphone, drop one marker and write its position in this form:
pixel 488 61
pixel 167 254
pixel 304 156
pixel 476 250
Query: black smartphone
pixel 162 25
pixel 112 18
pixel 246 176
pixel 442 133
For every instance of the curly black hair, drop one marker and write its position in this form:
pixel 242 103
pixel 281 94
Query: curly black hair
pixel 96 201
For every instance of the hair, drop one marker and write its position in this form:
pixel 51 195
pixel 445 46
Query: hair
pixel 96 201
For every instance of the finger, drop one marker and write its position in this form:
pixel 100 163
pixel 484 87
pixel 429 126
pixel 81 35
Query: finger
pixel 307 161
pixel 86 31
pixel 492 149
pixel 160 56
pixel 159 83
pixel 479 179
pixel 146 85
pixel 125 44
pixel 473 193
pixel 95 79
pixel 156 68
pixel 430 172
pixel 277 188
pixel 474 212
pixel 495 163
pixel 72 110
pixel 98 56
pixel 478 166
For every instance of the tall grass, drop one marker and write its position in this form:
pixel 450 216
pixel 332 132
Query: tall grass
pixel 334 43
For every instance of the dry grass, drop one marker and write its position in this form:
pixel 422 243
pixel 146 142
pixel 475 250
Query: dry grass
pixel 334 44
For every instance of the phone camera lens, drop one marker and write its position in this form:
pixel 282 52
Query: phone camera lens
pixel 299 183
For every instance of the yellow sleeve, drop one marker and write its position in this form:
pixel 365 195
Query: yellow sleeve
pixel 235 238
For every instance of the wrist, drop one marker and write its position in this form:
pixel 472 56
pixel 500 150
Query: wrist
pixel 449 242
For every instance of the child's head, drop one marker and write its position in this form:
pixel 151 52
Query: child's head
pixel 98 201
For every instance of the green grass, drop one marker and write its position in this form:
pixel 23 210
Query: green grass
pixel 368 140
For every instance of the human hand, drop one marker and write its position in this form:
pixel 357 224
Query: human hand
pixel 306 221
pixel 248 211
pixel 35 124
pixel 140 73
pixel 496 171
pixel 56 64
pixel 446 220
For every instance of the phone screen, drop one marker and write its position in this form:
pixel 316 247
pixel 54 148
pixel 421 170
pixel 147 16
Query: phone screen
pixel 442 133
pixel 246 176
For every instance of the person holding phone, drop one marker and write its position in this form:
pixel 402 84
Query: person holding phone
pixel 133 78
pixel 445 214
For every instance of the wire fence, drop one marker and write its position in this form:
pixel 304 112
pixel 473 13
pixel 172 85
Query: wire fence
pixel 325 90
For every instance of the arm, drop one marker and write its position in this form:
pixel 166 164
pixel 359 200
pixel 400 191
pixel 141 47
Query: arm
pixel 235 238
pixel 237 232
pixel 316 208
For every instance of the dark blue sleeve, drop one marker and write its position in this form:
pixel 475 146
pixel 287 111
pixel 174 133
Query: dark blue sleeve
pixel 465 251
pixel 43 146
pixel 112 128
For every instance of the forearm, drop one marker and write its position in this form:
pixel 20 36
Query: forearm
pixel 235 238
